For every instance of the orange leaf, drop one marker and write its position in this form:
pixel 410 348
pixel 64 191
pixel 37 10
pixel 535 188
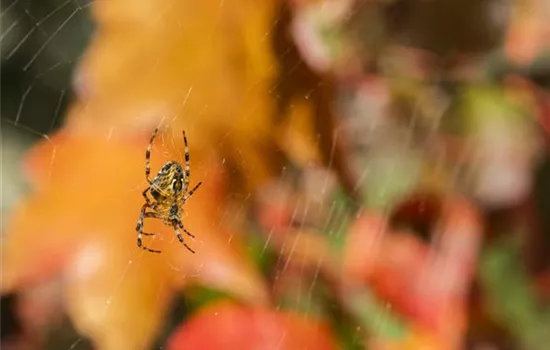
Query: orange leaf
pixel 83 229
pixel 194 65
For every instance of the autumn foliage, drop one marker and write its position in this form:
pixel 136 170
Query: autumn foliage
pixel 300 258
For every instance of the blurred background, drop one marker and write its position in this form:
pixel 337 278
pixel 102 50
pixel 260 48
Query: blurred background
pixel 376 174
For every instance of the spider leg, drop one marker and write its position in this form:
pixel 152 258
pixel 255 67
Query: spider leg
pixel 153 216
pixel 148 156
pixel 180 224
pixel 180 237
pixel 139 229
pixel 187 163
pixel 144 194
pixel 190 193
pixel 143 214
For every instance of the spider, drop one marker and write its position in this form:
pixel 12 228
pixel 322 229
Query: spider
pixel 169 192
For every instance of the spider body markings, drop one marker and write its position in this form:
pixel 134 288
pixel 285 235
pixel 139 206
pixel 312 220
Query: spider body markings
pixel 169 192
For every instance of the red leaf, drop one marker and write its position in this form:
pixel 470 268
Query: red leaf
pixel 227 326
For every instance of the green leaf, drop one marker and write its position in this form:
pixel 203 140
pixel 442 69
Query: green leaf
pixel 377 317
pixel 390 176
pixel 261 253
pixel 509 296
pixel 198 296
pixel 339 220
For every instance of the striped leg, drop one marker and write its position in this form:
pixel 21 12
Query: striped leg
pixel 148 156
pixel 190 193
pixel 139 229
pixel 180 237
pixel 180 224
pixel 187 163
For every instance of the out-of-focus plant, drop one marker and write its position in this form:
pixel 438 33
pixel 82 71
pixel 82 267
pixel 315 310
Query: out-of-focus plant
pixel 424 283
pixel 83 231
pixel 528 32
pixel 225 325
pixel 13 147
pixel 428 135
pixel 149 64
pixel 426 113
pixel 383 275
pixel 510 296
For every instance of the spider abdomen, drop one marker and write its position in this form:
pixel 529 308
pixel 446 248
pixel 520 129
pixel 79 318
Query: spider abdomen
pixel 157 195
pixel 170 180
pixel 169 190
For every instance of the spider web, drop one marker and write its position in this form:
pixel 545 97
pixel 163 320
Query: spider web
pixel 42 41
